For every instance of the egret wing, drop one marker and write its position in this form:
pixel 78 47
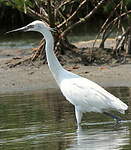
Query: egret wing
pixel 89 96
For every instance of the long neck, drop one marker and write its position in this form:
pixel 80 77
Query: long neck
pixel 52 60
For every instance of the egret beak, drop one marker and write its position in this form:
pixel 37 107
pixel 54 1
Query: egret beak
pixel 26 28
pixel 19 29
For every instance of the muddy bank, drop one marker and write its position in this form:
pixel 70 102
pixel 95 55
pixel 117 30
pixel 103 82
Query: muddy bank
pixel 30 77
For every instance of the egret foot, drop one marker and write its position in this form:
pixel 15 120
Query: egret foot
pixel 118 119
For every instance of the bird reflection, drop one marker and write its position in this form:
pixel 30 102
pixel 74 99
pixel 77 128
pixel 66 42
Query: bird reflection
pixel 100 139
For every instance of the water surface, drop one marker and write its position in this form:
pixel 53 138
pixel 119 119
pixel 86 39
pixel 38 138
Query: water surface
pixel 30 40
pixel 20 40
pixel 44 120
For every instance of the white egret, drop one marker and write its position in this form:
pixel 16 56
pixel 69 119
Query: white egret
pixel 84 94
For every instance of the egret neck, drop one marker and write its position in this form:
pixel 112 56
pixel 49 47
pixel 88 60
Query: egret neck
pixel 53 63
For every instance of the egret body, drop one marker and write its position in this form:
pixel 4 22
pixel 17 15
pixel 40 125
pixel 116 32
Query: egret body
pixel 85 95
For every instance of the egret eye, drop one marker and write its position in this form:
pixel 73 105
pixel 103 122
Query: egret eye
pixel 29 27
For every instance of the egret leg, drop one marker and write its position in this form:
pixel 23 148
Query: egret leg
pixel 78 116
pixel 118 119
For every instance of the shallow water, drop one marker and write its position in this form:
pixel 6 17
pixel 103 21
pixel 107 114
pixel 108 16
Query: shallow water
pixel 32 39
pixel 44 120
pixel 19 41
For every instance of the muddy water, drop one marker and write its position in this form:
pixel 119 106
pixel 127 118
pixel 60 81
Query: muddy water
pixel 44 120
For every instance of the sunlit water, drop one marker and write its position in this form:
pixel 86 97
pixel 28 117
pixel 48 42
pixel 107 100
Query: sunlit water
pixel 44 120
pixel 32 39
pixel 19 41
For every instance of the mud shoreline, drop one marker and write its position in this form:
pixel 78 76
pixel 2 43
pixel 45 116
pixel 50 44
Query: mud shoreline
pixel 38 77
pixel 28 78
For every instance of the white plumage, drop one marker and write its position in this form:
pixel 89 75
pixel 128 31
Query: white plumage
pixel 88 96
pixel 84 94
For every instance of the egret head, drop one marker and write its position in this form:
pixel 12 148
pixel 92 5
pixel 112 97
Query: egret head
pixel 37 25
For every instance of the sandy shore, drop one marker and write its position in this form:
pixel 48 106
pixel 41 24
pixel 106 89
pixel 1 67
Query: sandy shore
pixel 25 78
